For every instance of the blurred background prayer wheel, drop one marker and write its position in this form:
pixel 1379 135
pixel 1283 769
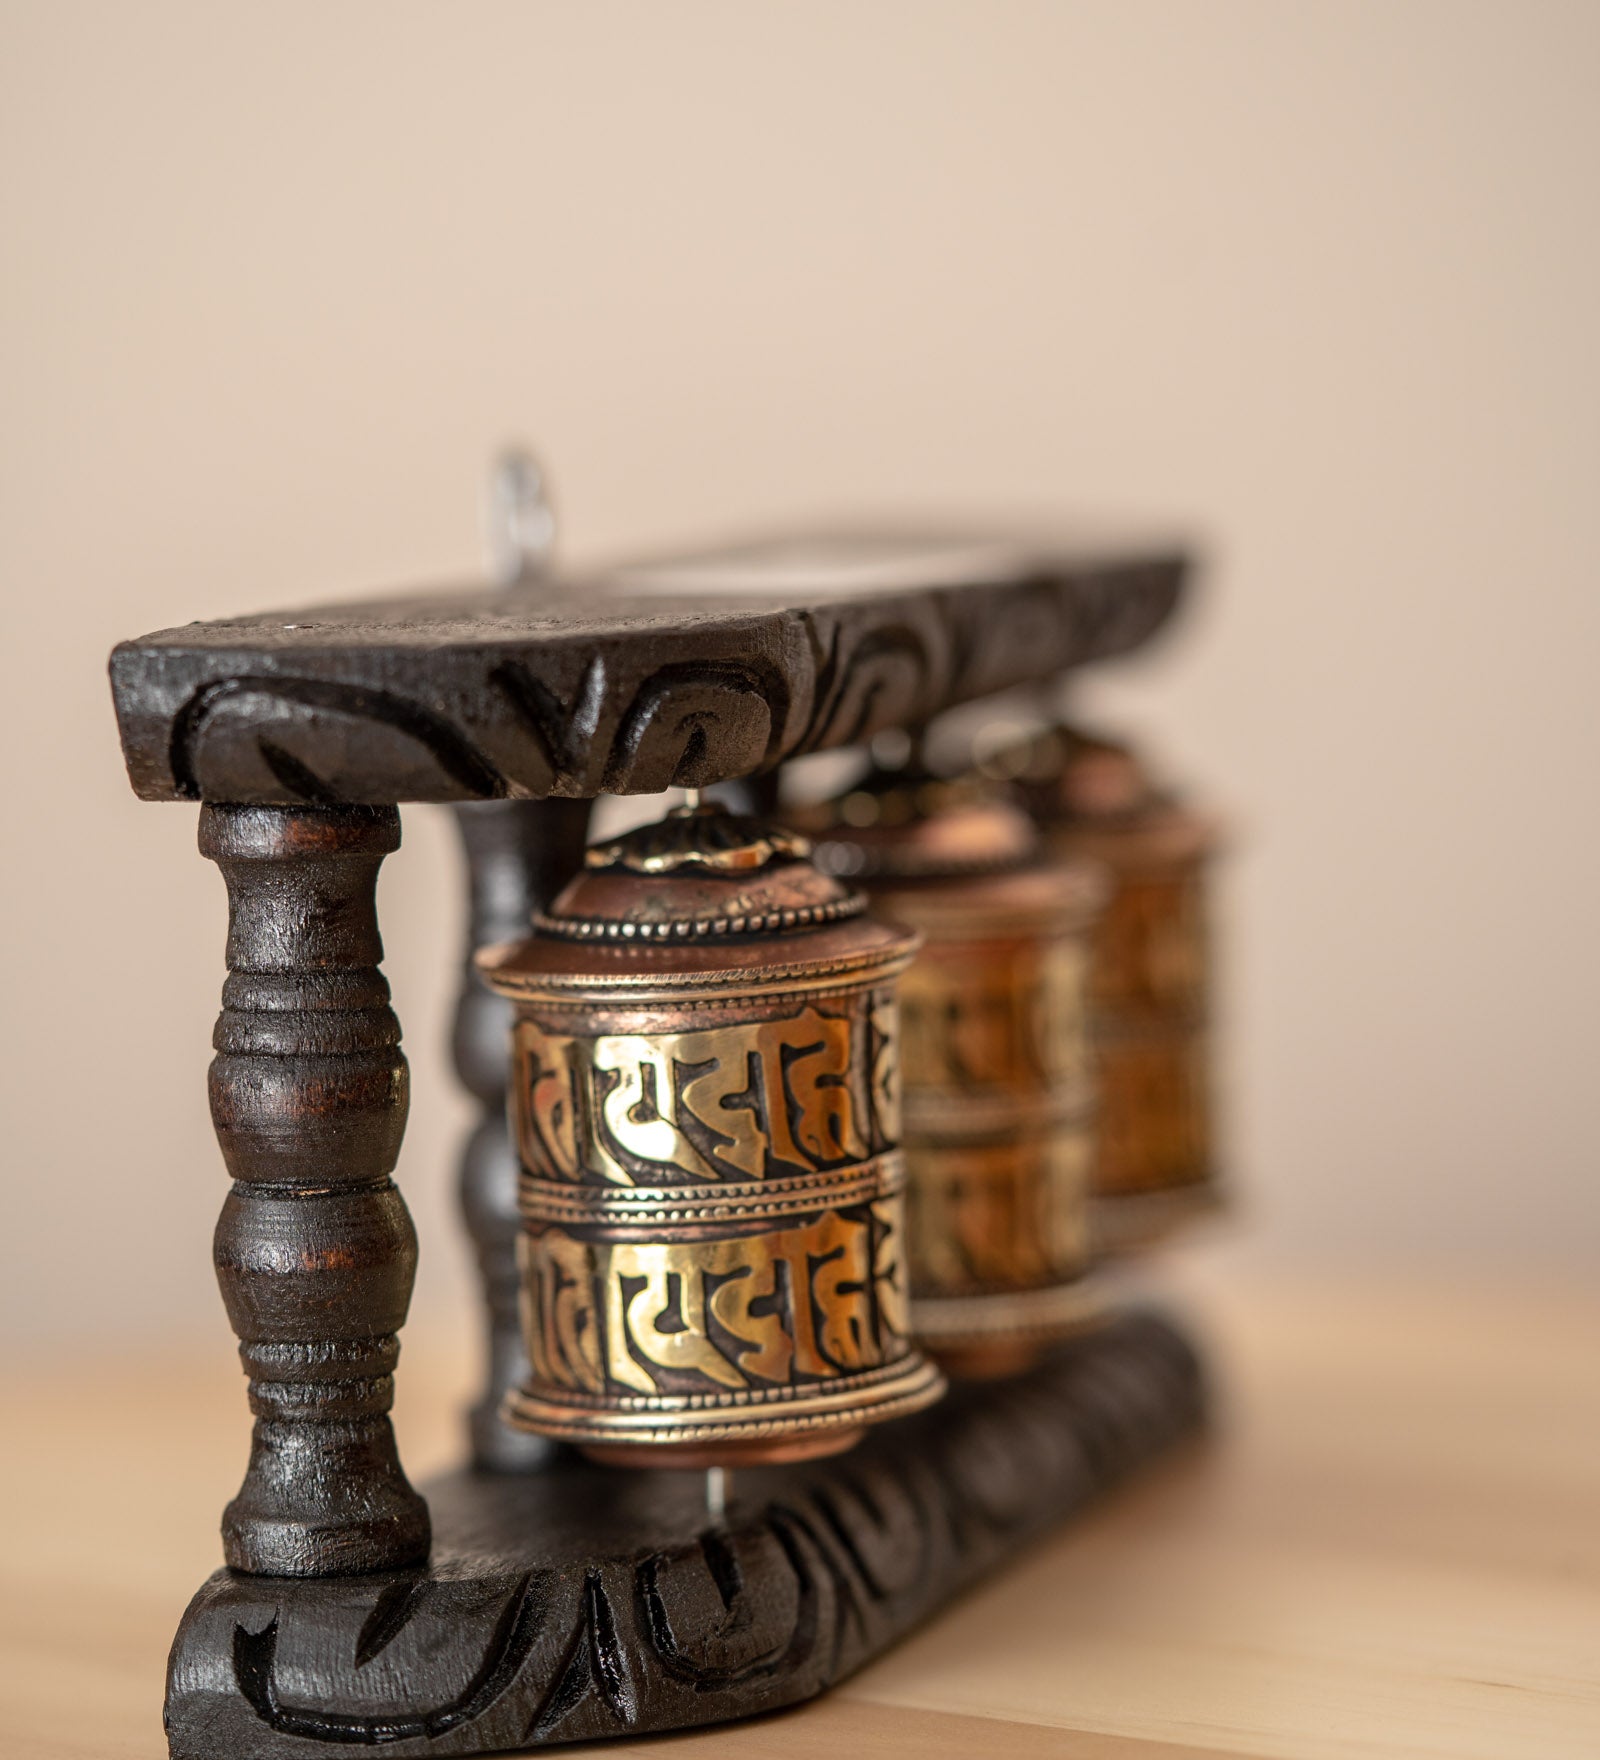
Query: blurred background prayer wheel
pixel 1150 982
pixel 705 1098
pixel 999 1088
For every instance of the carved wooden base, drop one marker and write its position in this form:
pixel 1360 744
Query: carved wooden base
pixel 581 1601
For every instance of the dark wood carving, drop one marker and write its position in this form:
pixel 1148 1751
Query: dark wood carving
pixel 625 684
pixel 581 1602
pixel 315 1251
pixel 519 853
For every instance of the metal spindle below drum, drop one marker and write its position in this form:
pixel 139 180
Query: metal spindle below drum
pixel 706 1102
pixel 999 1090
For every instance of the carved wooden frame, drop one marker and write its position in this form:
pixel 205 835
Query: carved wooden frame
pixel 559 1600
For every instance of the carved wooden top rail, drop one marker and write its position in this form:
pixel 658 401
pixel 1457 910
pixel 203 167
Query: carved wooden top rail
pixel 683 670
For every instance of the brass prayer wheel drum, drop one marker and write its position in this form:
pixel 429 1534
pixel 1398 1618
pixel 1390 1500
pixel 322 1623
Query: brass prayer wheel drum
pixel 999 1095
pixel 706 1103
pixel 1150 982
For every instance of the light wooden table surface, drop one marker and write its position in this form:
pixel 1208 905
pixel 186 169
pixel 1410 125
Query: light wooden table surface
pixel 1390 1547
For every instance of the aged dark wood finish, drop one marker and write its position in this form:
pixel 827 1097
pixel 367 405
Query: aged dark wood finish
pixel 684 673
pixel 585 1602
pixel 315 1252
pixel 519 854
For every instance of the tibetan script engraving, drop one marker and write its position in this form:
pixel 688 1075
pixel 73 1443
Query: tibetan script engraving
pixel 808 1092
pixel 1009 1215
pixel 808 1303
pixel 997 1016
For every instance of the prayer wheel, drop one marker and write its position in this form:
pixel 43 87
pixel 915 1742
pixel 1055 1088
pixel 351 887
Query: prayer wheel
pixel 1150 982
pixel 705 1097
pixel 999 1090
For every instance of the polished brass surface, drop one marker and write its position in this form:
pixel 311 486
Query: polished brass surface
pixel 992 1013
pixel 740 1337
pixel 713 1189
pixel 626 1107
pixel 999 1094
pixel 1006 1214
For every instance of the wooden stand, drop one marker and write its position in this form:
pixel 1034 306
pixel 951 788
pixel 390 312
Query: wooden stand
pixel 580 1602
pixel 559 1600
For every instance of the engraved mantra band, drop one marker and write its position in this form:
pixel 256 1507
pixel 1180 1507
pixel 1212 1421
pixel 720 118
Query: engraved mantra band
pixel 791 1094
pixel 812 1302
pixel 1157 1162
pixel 712 1252
pixel 711 1215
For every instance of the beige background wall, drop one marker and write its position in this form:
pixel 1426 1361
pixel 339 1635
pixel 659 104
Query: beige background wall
pixel 1320 280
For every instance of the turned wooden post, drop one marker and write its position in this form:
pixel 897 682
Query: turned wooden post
pixel 519 854
pixel 315 1251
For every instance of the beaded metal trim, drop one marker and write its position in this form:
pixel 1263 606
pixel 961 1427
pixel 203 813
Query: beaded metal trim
pixel 807 916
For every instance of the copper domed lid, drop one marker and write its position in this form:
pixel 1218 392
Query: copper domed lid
pixel 1097 796
pixel 696 874
pixel 700 897
pixel 910 825
pixel 1064 773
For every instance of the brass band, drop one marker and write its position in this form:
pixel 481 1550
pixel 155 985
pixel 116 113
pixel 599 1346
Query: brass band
pixel 1009 1214
pixel 643 1207
pixel 788 1092
pixel 993 1021
pixel 810 1316
pixel 714 1224
pixel 1154 1131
